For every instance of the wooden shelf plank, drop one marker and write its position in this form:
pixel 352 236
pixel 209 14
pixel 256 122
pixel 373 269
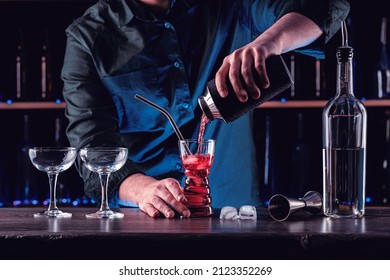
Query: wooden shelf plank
pixel 32 105
pixel 293 104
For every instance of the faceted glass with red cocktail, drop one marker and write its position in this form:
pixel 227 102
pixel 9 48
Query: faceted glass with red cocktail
pixel 197 157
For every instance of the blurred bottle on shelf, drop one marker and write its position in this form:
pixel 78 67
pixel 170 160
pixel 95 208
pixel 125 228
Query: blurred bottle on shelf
pixel 294 63
pixel 59 133
pixel 300 161
pixel 292 71
pixel 384 175
pixel 381 83
pixel 21 68
pixel 3 81
pixel 26 192
pixel 267 158
pixel 308 76
pixel 3 93
pixel 312 78
pixel 46 69
pixel 320 80
pixel 4 182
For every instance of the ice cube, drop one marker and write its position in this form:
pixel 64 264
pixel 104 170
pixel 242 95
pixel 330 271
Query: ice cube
pixel 247 212
pixel 228 213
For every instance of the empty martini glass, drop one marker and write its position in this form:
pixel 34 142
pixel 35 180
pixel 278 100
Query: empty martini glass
pixel 52 160
pixel 104 161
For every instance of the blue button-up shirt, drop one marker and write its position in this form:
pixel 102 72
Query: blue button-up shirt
pixel 118 49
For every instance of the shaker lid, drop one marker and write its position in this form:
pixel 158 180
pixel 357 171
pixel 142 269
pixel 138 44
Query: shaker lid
pixel 208 106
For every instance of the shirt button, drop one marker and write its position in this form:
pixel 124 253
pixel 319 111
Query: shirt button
pixel 167 25
pixel 177 64
pixel 178 166
pixel 185 105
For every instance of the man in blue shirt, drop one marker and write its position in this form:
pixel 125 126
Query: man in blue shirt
pixel 166 51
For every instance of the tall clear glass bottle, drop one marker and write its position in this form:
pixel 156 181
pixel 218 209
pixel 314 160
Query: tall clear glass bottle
pixel 344 121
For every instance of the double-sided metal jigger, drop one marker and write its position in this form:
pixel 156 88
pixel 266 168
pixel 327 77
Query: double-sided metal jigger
pixel 281 207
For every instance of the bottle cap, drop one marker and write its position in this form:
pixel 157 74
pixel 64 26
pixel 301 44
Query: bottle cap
pixel 344 53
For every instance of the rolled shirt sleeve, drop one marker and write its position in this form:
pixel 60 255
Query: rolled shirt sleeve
pixel 327 14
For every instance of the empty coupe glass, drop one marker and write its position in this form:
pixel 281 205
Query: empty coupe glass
pixel 104 161
pixel 52 160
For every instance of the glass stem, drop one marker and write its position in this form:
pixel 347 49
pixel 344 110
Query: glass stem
pixel 104 184
pixel 53 185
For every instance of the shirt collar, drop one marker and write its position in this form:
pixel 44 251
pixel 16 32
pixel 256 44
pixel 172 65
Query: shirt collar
pixel 129 9
pixel 133 8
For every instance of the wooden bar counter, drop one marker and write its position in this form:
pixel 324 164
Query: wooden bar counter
pixel 138 236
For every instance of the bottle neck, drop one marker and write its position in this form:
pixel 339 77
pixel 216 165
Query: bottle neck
pixel 344 76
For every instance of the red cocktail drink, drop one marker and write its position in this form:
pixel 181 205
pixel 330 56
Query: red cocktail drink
pixel 197 165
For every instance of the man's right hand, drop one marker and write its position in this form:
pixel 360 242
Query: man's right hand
pixel 154 197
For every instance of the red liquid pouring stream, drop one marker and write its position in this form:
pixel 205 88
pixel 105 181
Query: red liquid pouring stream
pixel 203 122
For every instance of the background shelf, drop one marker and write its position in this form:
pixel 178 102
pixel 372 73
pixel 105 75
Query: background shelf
pixel 32 105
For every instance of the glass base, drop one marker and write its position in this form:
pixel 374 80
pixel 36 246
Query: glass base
pixel 344 216
pixel 53 214
pixel 105 214
pixel 201 211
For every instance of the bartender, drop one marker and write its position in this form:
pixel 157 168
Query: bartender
pixel 166 51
